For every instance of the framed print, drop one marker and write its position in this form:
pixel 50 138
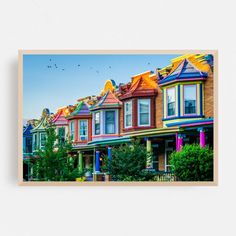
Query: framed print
pixel 118 117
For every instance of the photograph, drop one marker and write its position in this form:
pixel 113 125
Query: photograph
pixel 117 117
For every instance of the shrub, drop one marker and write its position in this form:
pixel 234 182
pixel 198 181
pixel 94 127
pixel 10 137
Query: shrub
pixel 193 163
pixel 128 163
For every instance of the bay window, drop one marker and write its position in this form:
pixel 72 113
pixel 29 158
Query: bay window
pixel 170 101
pixel 128 114
pixel 110 122
pixel 61 135
pixel 190 98
pixel 72 130
pixel 97 123
pixel 42 139
pixel 144 112
pixel 83 130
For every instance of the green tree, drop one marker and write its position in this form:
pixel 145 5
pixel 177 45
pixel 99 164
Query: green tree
pixel 193 163
pixel 54 162
pixel 128 163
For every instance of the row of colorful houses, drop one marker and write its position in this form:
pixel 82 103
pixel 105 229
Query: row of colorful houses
pixel 164 109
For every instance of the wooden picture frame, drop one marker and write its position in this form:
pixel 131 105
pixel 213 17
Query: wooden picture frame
pixel 138 130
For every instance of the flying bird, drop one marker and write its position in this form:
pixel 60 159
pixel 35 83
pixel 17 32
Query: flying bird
pixel 109 67
pixel 149 63
pixel 97 71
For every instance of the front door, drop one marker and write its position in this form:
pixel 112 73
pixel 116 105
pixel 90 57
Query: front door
pixel 169 148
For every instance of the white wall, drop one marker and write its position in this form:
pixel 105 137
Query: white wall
pixel 104 24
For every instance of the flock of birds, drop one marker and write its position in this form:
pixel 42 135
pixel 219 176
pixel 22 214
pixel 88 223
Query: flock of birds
pixel 55 66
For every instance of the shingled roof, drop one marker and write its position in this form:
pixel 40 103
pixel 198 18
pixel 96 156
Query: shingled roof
pixel 141 85
pixel 81 110
pixel 109 100
pixel 183 71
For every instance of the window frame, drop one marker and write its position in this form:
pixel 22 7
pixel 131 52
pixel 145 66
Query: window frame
pixel 131 114
pixel 72 139
pixel 58 132
pixel 173 88
pixel 105 122
pixel 196 106
pixel 97 112
pixel 42 133
pixel 79 130
pixel 149 118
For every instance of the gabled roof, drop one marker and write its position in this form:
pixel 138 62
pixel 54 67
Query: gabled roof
pixel 60 117
pixel 27 129
pixel 42 124
pixel 43 121
pixel 109 100
pixel 141 85
pixel 81 110
pixel 183 70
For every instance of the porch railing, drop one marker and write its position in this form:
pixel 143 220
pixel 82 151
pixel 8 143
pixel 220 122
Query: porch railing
pixel 163 176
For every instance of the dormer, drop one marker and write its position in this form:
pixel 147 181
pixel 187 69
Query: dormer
pixel 183 89
pixel 80 124
pixel 61 123
pixel 39 132
pixel 105 114
pixel 138 99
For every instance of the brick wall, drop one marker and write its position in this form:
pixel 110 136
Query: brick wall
pixel 158 108
pixel 208 95
pixel 121 115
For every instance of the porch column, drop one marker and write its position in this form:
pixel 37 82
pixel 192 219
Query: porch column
pixel 80 161
pixel 149 164
pixel 176 142
pixel 109 153
pixel 202 138
pixel 97 165
pixel 180 142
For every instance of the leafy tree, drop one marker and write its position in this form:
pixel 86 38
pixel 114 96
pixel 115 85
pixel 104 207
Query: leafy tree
pixel 193 163
pixel 54 162
pixel 128 163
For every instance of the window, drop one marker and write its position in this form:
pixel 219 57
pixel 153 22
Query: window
pixel 171 102
pixel 61 135
pixel 28 144
pixel 110 122
pixel 97 123
pixel 169 147
pixel 42 139
pixel 144 112
pixel 35 141
pixel 83 130
pixel 128 114
pixel 190 97
pixel 72 130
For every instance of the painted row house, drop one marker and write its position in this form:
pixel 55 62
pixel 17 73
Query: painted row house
pixel 165 110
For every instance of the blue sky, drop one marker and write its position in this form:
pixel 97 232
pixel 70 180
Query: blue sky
pixel 52 81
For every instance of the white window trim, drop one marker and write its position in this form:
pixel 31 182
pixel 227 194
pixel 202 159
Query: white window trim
pixel 41 139
pixel 60 128
pixel 116 122
pixel 149 120
pixel 168 89
pixel 95 123
pixel 79 129
pixel 130 101
pixel 74 130
pixel 196 93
